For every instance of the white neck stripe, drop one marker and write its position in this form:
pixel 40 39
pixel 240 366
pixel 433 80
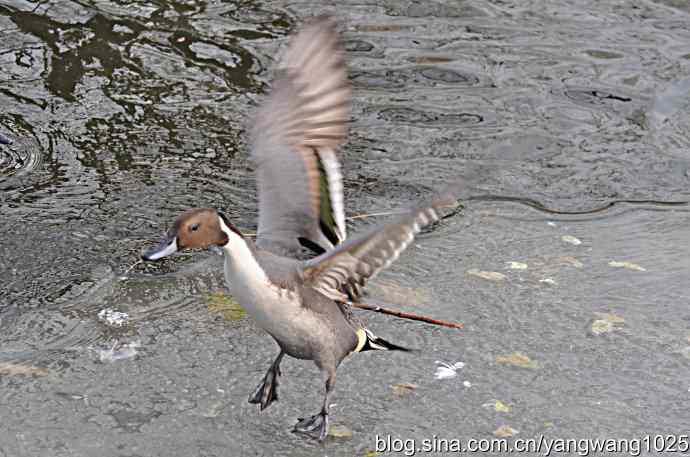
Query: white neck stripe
pixel 241 257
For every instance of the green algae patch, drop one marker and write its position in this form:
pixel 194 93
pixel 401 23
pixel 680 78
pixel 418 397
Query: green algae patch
pixel 517 359
pixel 226 306
pixel 339 431
pixel 15 369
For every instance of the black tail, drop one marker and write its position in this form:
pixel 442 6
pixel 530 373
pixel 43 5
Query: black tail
pixel 370 342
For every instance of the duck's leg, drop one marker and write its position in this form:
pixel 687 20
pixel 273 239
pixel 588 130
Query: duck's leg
pixel 267 391
pixel 317 425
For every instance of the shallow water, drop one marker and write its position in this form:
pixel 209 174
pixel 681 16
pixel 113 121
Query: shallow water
pixel 122 114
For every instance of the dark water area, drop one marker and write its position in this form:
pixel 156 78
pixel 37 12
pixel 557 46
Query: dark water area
pixel 569 265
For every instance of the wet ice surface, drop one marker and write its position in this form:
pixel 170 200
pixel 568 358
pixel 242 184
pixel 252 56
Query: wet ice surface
pixel 120 115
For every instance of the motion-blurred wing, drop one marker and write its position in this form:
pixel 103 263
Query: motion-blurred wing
pixel 341 273
pixel 296 135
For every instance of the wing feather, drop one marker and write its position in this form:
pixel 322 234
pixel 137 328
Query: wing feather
pixel 296 134
pixel 344 271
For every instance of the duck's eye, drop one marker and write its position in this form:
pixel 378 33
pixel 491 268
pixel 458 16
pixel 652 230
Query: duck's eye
pixel 194 227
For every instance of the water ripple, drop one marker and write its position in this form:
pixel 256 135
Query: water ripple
pixel 18 159
pixel 416 117
pixel 409 77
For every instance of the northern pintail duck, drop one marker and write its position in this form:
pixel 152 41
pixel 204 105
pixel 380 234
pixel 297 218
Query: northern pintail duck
pixel 302 304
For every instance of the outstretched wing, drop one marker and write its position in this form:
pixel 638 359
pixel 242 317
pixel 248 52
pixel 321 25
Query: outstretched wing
pixel 341 273
pixel 296 135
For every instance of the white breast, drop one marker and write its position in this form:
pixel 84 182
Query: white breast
pixel 275 309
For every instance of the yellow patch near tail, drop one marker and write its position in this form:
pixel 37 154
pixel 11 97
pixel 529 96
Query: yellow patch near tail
pixel 361 339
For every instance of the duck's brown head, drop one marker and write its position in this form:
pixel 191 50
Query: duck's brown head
pixel 198 228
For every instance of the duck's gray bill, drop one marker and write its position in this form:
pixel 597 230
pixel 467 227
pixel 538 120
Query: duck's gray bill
pixel 167 246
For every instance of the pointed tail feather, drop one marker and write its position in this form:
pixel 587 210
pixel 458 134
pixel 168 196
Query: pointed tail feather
pixel 367 341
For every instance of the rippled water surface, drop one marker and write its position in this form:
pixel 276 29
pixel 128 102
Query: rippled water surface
pixel 571 118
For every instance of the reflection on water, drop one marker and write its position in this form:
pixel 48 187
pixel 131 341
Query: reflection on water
pixel 115 116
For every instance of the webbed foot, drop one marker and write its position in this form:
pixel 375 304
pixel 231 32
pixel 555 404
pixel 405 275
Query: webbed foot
pixel 267 391
pixel 315 426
